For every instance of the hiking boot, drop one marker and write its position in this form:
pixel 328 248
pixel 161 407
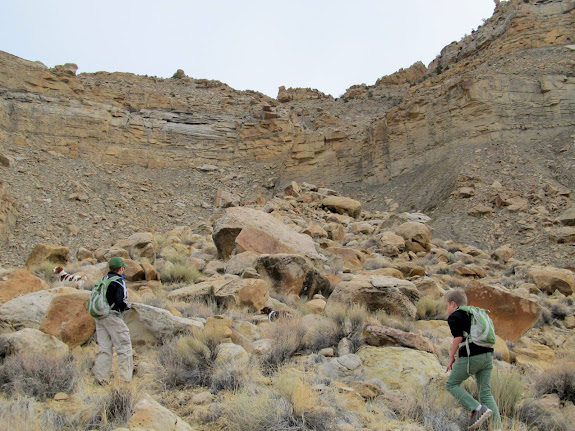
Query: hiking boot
pixel 478 418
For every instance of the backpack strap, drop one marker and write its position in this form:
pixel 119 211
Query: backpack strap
pixel 110 281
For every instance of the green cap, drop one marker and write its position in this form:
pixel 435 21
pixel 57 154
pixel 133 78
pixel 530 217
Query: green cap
pixel 116 262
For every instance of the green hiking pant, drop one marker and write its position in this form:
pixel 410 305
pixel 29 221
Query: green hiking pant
pixel 480 366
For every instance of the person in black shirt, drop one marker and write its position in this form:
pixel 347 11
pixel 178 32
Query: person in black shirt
pixel 112 331
pixel 478 363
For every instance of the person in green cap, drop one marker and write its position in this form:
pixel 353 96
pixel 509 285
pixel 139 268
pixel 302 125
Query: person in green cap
pixel 112 331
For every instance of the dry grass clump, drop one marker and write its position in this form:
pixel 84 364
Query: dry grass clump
pixel 559 380
pixel 188 361
pixel 435 409
pixel 176 253
pixel 396 322
pixel 538 418
pixel 197 308
pixel 44 270
pixel 19 415
pixel 259 409
pixel 263 409
pixel 288 339
pixel 233 375
pixel 349 320
pixel 430 308
pixel 38 376
pixel 179 273
pixel 508 389
pixel 324 333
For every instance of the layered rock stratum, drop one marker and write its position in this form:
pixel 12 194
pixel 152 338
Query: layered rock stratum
pixel 481 140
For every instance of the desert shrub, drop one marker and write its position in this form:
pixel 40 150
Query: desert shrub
pixel 546 318
pixel 287 336
pixel 44 270
pixel 396 322
pixel 154 301
pixel 176 253
pixel 38 376
pixel 232 375
pixel 19 415
pixel 109 410
pixel 119 405
pixel 433 407
pixel 430 308
pixel 560 311
pixel 259 409
pixel 197 308
pixel 559 380
pixel 324 334
pixel 445 270
pixel 5 349
pixel 180 273
pixel 508 389
pixel 188 361
pixel 350 320
pixel 538 418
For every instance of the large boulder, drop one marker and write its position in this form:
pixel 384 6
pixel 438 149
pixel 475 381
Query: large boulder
pixel 379 336
pixel 150 415
pixel 47 253
pixel 140 246
pixel 292 274
pixel 19 282
pixel 68 319
pixel 264 234
pixel 250 292
pixel 551 279
pixel 150 325
pixel 398 368
pixel 240 262
pixel 34 341
pixel 417 236
pixel 512 315
pixel 342 205
pixel 28 311
pixel 393 295
pixel 352 259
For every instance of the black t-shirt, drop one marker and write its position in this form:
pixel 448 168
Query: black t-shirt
pixel 459 322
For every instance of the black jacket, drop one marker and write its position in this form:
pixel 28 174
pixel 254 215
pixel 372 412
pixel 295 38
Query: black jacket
pixel 459 322
pixel 117 293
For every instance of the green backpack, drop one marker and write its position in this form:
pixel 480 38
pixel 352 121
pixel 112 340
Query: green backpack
pixel 482 330
pixel 98 306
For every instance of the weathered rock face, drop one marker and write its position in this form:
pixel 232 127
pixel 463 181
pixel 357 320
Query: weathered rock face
pixel 379 336
pixel 248 229
pixel 393 295
pixel 8 212
pixel 68 320
pixel 512 315
pixel 250 292
pixel 19 282
pixel 505 89
pixel 551 279
pixel 399 368
pixel 47 253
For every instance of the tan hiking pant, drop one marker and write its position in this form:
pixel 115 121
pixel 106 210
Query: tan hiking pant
pixel 113 332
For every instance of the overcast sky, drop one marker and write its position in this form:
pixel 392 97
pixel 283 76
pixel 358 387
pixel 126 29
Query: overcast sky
pixel 251 44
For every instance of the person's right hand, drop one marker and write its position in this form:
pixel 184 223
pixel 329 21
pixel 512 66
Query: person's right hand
pixel 450 364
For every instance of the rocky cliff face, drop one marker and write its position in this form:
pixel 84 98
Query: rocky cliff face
pixel 497 106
